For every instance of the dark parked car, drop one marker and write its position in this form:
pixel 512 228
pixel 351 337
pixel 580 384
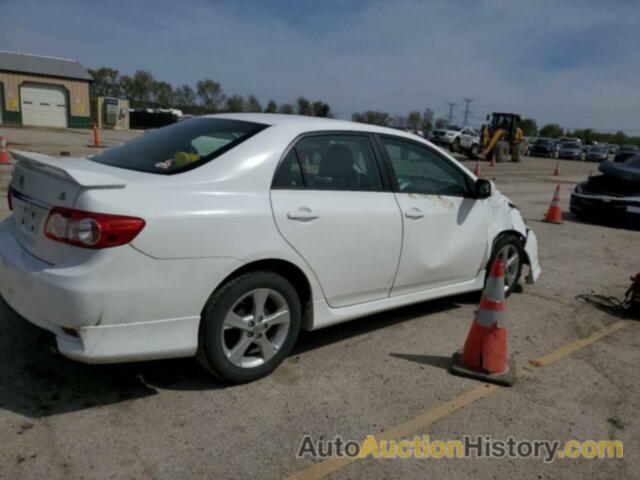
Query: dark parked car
pixel 544 147
pixel 613 197
pixel 597 154
pixel 625 152
pixel 571 150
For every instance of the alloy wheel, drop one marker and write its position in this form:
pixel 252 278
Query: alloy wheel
pixel 511 258
pixel 255 328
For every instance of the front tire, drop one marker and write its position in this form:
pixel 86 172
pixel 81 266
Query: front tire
pixel 249 326
pixel 510 248
pixel 474 152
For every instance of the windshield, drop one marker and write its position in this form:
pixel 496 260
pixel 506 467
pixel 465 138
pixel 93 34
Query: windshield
pixel 454 127
pixel 181 146
pixel 542 141
pixel 570 145
pixel 629 148
pixel 600 149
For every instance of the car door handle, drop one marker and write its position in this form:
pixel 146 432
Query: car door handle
pixel 303 214
pixel 414 213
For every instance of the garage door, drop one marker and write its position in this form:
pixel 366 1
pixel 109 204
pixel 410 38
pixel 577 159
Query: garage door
pixel 43 105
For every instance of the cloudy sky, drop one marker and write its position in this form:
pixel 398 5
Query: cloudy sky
pixel 574 62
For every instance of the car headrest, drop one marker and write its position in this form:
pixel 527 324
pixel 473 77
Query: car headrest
pixel 337 161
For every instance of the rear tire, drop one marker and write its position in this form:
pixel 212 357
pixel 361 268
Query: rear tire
pixel 243 335
pixel 508 246
pixel 517 153
pixel 501 151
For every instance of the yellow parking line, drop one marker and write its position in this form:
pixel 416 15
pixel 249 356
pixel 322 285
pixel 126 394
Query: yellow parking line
pixel 322 469
pixel 569 348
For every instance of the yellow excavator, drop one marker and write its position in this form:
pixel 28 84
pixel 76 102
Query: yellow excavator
pixel 502 138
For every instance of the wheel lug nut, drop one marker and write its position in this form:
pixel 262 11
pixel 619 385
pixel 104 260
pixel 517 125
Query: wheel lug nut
pixel 259 335
pixel 251 323
pixel 249 334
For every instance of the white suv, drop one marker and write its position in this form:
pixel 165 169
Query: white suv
pixel 222 236
pixel 458 139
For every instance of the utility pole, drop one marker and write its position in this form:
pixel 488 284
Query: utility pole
pixel 451 106
pixel 466 109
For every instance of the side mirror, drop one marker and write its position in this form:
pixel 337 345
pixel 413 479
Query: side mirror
pixel 483 188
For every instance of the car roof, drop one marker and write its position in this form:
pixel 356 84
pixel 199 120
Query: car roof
pixel 309 123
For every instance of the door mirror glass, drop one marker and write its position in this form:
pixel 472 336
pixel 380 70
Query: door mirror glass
pixel 483 188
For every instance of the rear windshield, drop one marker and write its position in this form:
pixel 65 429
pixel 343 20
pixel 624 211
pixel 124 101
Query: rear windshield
pixel 181 146
pixel 633 162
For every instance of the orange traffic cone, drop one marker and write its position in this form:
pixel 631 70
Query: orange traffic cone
pixel 556 172
pixel 485 355
pixel 96 136
pixel 4 155
pixel 476 171
pixel 554 214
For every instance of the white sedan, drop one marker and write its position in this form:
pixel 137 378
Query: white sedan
pixel 223 236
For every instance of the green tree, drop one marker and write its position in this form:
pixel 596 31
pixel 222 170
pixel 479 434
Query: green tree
pixel 321 109
pixel 371 117
pixel 552 130
pixel 441 122
pixel 210 94
pixel 125 84
pixel 286 108
pixel 162 93
pixel 106 82
pixel 235 103
pixel 272 107
pixel 184 95
pixel 138 88
pixel 414 119
pixel 304 106
pixel 143 83
pixel 529 127
pixel 253 104
pixel 427 121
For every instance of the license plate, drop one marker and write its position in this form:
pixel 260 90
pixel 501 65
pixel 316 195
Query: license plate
pixel 632 209
pixel 30 222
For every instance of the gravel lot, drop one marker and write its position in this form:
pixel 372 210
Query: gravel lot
pixel 170 420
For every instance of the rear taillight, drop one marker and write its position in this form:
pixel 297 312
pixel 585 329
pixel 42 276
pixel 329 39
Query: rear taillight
pixel 9 201
pixel 91 230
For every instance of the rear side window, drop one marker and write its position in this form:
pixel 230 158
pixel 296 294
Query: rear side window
pixel 179 147
pixel 289 175
pixel 330 162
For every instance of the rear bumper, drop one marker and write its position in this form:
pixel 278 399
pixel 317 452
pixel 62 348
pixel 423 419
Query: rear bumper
pixel 606 208
pixel 121 304
pixel 531 251
pixel 541 153
pixel 442 141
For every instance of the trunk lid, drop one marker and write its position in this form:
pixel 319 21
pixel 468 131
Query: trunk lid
pixel 41 182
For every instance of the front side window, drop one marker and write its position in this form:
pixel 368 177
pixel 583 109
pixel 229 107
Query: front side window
pixel 330 162
pixel 180 146
pixel 420 170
